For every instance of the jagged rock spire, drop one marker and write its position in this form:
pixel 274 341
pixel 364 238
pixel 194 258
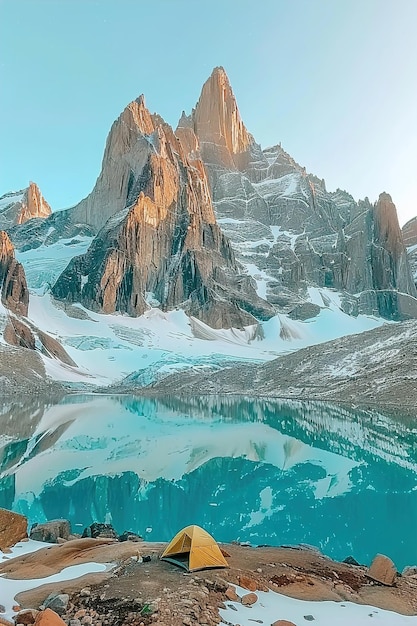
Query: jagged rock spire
pixel 222 134
pixel 20 206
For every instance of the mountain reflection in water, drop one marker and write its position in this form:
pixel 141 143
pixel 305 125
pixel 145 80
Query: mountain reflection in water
pixel 265 471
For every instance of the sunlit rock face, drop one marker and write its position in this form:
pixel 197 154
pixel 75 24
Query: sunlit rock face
pixel 165 245
pixel 14 291
pixel 21 206
pixel 216 120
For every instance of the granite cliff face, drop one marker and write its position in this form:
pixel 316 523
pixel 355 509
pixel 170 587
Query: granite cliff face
pixel 165 246
pixel 14 291
pixel 20 206
pixel 286 228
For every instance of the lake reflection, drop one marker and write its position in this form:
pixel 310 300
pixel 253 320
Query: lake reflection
pixel 268 472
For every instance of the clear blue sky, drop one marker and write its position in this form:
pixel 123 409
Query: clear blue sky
pixel 334 80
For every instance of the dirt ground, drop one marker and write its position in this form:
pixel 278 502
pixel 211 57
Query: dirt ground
pixel 157 592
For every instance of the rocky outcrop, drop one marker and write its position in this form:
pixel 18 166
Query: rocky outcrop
pixel 20 206
pixel 165 245
pixel 14 291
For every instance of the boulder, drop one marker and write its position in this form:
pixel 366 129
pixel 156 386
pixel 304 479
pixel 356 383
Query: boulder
pixel 100 530
pixel 382 570
pixel 128 535
pixel 48 618
pixel 13 528
pixel 282 622
pixel 51 531
pixel 410 570
pixel 57 602
pixel 249 599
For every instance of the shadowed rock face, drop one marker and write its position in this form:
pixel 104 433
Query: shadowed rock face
pixel 14 291
pixel 19 207
pixel 409 232
pixel 285 222
pixel 389 260
pixel 166 244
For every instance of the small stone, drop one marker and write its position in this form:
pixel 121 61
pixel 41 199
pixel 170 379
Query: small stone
pixel 248 583
pixel 410 570
pixel 85 592
pixel 249 599
pixel 2 608
pixel 309 618
pixel 231 594
pixel 382 570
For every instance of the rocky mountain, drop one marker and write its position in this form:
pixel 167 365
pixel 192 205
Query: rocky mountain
pixel 206 220
pixel 377 367
pixel 286 228
pixel 161 243
pixel 17 207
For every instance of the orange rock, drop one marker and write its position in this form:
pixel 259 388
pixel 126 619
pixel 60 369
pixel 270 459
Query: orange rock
pixel 48 618
pixel 247 583
pixel 283 622
pixel 383 570
pixel 13 528
pixel 231 594
pixel 249 599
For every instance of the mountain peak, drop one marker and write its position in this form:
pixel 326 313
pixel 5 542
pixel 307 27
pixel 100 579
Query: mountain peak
pixel 137 112
pixel 19 207
pixel 217 123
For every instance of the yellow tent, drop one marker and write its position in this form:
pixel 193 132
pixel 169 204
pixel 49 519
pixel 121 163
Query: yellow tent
pixel 193 548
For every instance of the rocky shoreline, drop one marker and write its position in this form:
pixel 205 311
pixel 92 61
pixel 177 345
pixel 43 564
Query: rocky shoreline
pixel 139 589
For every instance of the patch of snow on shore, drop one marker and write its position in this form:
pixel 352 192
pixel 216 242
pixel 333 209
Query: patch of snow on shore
pixel 272 606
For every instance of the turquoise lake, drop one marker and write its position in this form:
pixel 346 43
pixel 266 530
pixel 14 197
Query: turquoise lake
pixel 262 471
